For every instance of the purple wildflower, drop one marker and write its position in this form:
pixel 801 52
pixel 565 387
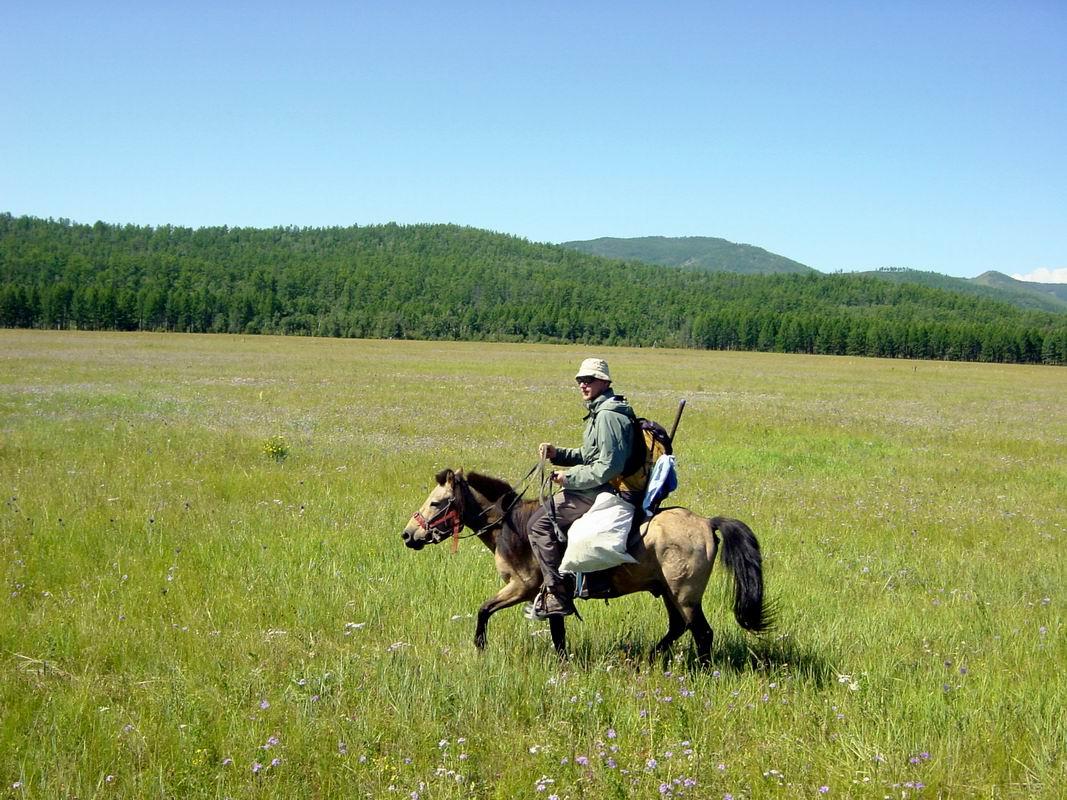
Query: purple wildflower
pixel 264 704
pixel 581 761
pixel 824 789
pixel 256 767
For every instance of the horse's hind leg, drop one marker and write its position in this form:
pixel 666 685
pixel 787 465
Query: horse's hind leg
pixel 691 618
pixel 703 635
pixel 676 626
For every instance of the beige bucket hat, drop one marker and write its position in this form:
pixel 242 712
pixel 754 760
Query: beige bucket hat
pixel 594 368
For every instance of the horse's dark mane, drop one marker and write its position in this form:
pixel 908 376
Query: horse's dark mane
pixel 493 488
pixel 511 542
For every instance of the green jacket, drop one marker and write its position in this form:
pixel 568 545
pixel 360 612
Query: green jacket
pixel 606 443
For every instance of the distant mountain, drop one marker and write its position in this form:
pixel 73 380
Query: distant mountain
pixel 708 254
pixel 700 253
pixel 992 285
pixel 999 280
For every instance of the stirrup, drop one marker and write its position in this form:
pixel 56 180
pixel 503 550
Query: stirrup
pixel 535 610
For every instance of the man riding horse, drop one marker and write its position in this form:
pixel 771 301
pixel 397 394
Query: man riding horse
pixel 606 444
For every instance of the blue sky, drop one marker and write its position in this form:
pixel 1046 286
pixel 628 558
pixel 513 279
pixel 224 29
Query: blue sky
pixel 845 135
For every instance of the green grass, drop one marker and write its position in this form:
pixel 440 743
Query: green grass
pixel 178 605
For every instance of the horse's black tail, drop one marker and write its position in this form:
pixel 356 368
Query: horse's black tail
pixel 741 553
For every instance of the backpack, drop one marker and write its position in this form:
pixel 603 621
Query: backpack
pixel 650 441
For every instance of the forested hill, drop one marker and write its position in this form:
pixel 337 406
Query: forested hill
pixel 448 282
pixel 692 252
pixel 993 285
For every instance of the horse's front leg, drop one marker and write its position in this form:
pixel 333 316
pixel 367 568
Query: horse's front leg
pixel 558 627
pixel 514 592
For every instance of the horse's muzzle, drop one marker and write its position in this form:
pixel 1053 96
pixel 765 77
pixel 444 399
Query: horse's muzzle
pixel 415 537
pixel 411 538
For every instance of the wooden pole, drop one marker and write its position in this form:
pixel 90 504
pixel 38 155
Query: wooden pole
pixel 677 419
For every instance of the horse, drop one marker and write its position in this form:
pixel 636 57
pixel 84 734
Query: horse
pixel 674 558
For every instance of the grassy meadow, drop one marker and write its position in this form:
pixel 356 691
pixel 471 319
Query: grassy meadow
pixel 203 591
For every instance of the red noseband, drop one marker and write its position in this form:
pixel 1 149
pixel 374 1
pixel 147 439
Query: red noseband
pixel 446 522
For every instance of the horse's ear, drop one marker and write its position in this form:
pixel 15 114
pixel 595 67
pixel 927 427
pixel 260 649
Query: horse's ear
pixel 445 476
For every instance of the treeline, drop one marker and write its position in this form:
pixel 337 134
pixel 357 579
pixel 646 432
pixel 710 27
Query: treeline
pixel 448 282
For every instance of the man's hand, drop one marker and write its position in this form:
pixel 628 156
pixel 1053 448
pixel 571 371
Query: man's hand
pixel 557 478
pixel 546 450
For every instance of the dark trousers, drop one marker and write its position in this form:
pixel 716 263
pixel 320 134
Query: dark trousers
pixel 546 545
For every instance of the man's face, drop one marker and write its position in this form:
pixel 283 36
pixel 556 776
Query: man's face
pixel 591 388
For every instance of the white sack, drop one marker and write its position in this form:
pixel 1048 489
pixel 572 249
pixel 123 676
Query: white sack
pixel 597 539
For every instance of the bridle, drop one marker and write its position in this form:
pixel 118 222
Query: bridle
pixel 449 520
